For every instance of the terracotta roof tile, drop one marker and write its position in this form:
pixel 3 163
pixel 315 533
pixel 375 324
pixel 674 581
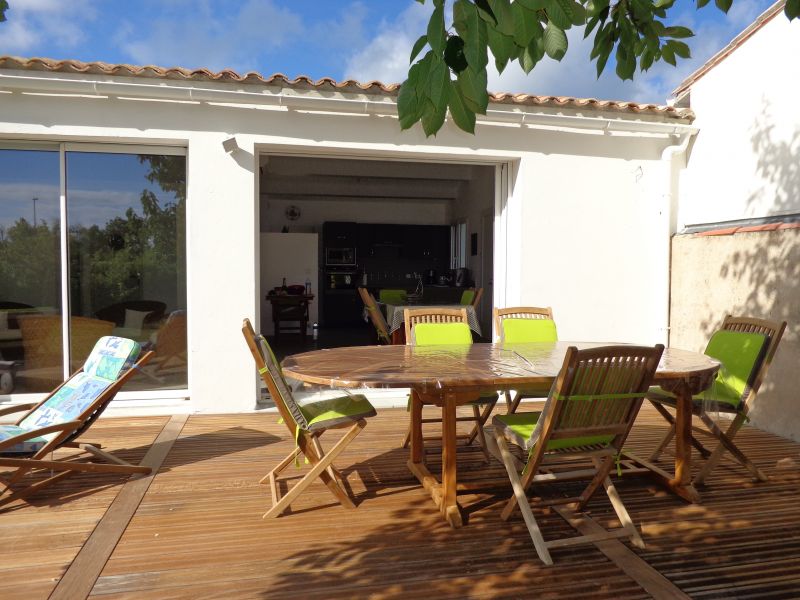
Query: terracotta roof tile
pixel 304 82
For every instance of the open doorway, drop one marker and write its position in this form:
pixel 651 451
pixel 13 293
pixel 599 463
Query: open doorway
pixel 331 225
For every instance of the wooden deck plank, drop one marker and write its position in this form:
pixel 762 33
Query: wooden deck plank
pixel 198 533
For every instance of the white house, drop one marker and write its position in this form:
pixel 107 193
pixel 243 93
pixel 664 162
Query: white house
pixel 738 250
pixel 579 198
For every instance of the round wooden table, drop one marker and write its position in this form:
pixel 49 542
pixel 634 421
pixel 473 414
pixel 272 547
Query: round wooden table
pixel 447 376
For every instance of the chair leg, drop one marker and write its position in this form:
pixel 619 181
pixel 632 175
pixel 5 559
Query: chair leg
pixel 522 500
pixel 726 443
pixel 319 469
pixel 27 491
pixel 407 438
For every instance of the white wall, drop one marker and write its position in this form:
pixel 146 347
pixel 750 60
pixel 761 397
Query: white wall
pixel 583 224
pixel 594 237
pixel 315 212
pixel 746 159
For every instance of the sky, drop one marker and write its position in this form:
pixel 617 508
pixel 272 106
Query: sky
pixel 359 39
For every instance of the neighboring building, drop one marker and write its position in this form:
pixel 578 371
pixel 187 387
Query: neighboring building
pixel 738 248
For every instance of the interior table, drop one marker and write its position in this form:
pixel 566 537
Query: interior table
pixel 448 376
pixel 290 307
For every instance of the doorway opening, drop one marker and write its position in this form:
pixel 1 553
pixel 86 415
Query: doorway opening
pixel 331 225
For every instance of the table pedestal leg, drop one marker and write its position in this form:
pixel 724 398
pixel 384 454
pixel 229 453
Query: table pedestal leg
pixel 682 483
pixel 416 441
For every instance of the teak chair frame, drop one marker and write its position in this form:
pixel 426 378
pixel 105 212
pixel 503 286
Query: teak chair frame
pixel 773 330
pixel 69 432
pixel 518 312
pixel 477 299
pixel 605 371
pixel 307 442
pixel 375 316
pixel 416 316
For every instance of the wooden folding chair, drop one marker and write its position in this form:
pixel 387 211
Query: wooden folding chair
pixel 447 317
pixel 63 416
pixel 306 425
pixel 375 316
pixel 586 419
pixel 745 346
pixel 525 324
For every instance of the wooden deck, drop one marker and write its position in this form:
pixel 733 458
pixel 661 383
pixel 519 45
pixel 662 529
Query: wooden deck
pixel 198 533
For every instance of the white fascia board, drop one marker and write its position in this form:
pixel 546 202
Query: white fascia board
pixel 313 101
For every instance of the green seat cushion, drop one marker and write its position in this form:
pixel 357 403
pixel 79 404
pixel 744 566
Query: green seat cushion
pixel 741 355
pixel 467 297
pixel 439 334
pixel 393 296
pixel 335 411
pixel 517 331
pixel 520 427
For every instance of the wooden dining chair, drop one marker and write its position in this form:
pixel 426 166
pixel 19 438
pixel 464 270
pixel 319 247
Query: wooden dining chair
pixel 445 326
pixel 745 346
pixel 375 316
pixel 477 299
pixel 578 435
pixel 524 324
pixel 306 425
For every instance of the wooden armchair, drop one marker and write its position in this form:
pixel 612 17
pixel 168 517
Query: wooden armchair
pixel 375 316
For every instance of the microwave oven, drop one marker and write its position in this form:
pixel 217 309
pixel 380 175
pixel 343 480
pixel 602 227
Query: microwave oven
pixel 340 257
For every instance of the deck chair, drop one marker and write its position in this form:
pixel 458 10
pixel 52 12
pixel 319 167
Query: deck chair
pixel 444 326
pixel 745 347
pixel 375 316
pixel 306 424
pixel 519 325
pixel 63 416
pixel 586 419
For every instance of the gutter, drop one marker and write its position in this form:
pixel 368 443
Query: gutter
pixel 277 97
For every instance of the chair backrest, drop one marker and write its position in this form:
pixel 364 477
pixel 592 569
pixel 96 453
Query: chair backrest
pixel 84 396
pixel 595 398
pixel 41 338
pixel 270 372
pixel 171 340
pixel 477 299
pixel 522 324
pixel 439 326
pixel 745 346
pixel 375 316
pixel 396 297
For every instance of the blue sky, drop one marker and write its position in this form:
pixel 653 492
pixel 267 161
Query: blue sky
pixel 361 39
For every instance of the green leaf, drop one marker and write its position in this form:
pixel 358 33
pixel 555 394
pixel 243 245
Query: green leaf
pixel 473 87
pixel 524 20
pixel 792 9
pixel 679 48
pixel 436 30
pixel 421 1
pixel 679 32
pixel 565 13
pixel 668 55
pixel 594 7
pixel 505 20
pixel 473 30
pixel 646 60
pixel 502 46
pixel 418 46
pixel 408 107
pixel 485 11
pixel 438 80
pixel 532 53
pixel 433 117
pixel 462 115
pixel 555 41
pixel 702 3
pixel 602 57
pixel 626 63
pixel 724 5
pixel 3 9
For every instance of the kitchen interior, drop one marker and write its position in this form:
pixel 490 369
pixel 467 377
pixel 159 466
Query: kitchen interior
pixel 331 225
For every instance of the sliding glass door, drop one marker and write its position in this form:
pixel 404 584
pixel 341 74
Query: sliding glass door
pixel 125 215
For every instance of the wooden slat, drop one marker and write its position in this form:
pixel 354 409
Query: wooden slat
pixel 79 579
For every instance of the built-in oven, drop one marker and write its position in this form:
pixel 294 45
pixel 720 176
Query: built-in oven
pixel 340 280
pixel 340 257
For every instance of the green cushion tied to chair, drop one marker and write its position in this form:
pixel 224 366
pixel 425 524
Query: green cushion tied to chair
pixel 441 334
pixel 467 297
pixel 517 331
pixel 396 297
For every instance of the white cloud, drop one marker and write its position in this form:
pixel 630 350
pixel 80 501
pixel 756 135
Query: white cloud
pixel 32 23
pixel 200 37
pixel 385 57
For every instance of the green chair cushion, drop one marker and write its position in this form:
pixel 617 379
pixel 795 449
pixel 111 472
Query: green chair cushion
pixel 517 331
pixel 438 334
pixel 393 296
pixel 520 426
pixel 741 355
pixel 467 297
pixel 336 411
